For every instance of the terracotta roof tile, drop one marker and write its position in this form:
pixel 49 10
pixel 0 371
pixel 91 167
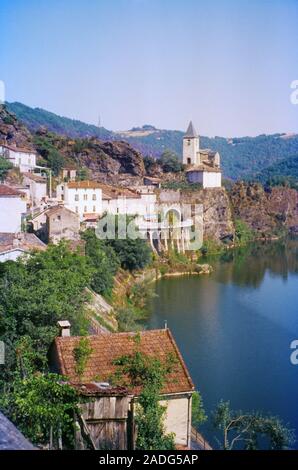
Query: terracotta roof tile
pixel 83 185
pixel 108 347
pixel 8 191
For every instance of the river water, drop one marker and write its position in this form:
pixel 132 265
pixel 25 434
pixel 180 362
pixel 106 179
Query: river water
pixel 234 329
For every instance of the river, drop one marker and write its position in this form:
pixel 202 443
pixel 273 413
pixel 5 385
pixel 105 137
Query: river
pixel 234 329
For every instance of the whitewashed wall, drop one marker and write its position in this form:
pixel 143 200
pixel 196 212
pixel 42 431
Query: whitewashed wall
pixel 11 210
pixel 85 202
pixel 178 418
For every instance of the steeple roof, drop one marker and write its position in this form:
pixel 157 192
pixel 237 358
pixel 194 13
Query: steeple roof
pixel 191 132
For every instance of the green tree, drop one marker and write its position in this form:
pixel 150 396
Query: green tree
pixel 5 166
pixel 104 261
pixel 133 252
pixel 250 431
pixel 36 293
pixel 170 162
pixel 198 415
pixel 43 407
pixel 83 174
pixel 149 373
pixel 45 145
pixel 243 233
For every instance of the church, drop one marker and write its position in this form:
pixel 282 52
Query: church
pixel 202 165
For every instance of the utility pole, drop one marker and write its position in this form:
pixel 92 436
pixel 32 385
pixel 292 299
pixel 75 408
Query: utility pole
pixel 50 183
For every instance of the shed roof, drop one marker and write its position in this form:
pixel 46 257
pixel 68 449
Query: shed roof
pixel 108 347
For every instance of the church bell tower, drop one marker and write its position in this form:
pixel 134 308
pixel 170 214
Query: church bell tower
pixel 191 146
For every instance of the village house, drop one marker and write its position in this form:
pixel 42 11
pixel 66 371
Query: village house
pixel 12 209
pixel 61 223
pixel 14 245
pixel 105 348
pixel 69 173
pixel 152 182
pixel 22 158
pixel 127 201
pixel 82 197
pixel 56 223
pixel 37 186
pixel 202 165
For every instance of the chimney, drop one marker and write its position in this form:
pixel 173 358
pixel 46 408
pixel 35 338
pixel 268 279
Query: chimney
pixel 64 327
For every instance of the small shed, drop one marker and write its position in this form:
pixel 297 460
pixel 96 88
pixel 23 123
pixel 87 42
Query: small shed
pixel 104 420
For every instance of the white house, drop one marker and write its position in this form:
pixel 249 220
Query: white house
pixel 12 206
pixel 22 158
pixel 127 201
pixel 203 165
pixel 82 197
pixel 37 186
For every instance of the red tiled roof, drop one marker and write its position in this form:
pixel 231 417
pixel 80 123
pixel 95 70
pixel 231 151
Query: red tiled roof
pixel 17 149
pixel 35 177
pixel 83 185
pixel 91 216
pixel 108 347
pixel 113 192
pixel 8 191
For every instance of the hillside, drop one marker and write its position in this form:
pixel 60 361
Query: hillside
pixel 34 118
pixel 114 161
pixel 283 172
pixel 243 157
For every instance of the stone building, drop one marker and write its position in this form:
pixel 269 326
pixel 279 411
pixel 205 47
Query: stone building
pixel 61 223
pixel 203 165
pixel 69 173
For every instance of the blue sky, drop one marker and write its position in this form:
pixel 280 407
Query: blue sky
pixel 225 64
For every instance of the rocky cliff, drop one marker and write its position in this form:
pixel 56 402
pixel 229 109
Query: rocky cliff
pixel 267 211
pixel 12 131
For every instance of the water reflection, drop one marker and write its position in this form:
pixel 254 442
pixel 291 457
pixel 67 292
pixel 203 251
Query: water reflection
pixel 234 328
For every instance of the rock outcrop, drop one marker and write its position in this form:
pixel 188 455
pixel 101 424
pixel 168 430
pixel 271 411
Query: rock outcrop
pixel 217 214
pixel 12 131
pixel 267 211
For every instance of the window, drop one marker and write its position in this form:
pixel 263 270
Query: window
pixel 76 197
pixel 94 208
pixel 94 197
pixel 188 161
pixel 85 197
pixel 58 217
pixel 188 142
pixel 85 208
pixel 77 209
